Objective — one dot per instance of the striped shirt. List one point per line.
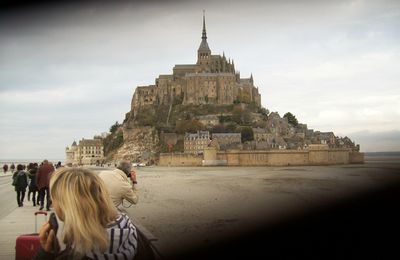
(123, 241)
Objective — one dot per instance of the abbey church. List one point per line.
(212, 80)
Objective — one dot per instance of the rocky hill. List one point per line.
(140, 136)
(157, 129)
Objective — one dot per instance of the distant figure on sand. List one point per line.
(20, 182)
(58, 165)
(118, 184)
(5, 168)
(42, 181)
(93, 228)
(32, 171)
(12, 167)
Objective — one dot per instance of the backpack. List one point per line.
(14, 182)
(17, 178)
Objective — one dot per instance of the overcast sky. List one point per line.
(69, 71)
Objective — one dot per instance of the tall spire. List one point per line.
(204, 45)
(204, 35)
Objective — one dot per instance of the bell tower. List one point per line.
(204, 52)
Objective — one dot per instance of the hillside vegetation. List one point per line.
(180, 119)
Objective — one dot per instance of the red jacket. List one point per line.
(43, 175)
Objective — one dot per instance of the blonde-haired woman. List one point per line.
(93, 228)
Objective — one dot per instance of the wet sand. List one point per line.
(187, 206)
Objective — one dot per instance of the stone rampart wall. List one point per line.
(265, 158)
(318, 157)
(356, 157)
(339, 156)
(283, 158)
(180, 159)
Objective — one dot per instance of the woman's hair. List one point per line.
(86, 209)
(20, 167)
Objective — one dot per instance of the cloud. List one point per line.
(334, 64)
(377, 141)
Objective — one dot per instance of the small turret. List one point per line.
(237, 76)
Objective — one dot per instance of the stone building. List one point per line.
(71, 154)
(345, 142)
(227, 140)
(327, 138)
(278, 125)
(196, 142)
(212, 80)
(261, 134)
(87, 152)
(265, 140)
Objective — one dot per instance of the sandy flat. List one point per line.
(186, 206)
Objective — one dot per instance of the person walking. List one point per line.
(58, 165)
(32, 171)
(20, 182)
(42, 182)
(118, 184)
(5, 168)
(12, 167)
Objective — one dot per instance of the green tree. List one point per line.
(291, 119)
(183, 126)
(114, 127)
(113, 142)
(241, 116)
(223, 119)
(246, 132)
(231, 127)
(220, 128)
(263, 111)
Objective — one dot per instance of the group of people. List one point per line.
(12, 167)
(91, 208)
(37, 178)
(5, 168)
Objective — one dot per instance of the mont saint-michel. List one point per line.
(207, 114)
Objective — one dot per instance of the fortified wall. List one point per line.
(314, 156)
